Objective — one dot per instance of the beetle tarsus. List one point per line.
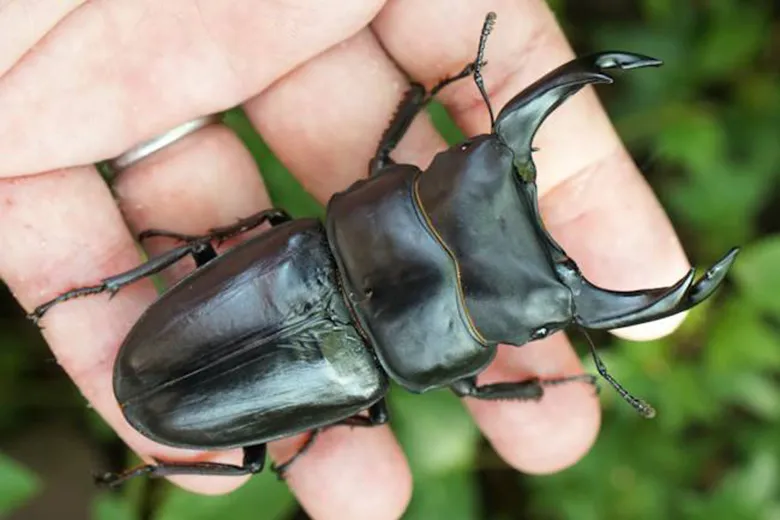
(114, 283)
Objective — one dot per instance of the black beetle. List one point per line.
(416, 275)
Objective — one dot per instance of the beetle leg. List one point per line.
(207, 253)
(254, 461)
(529, 390)
(377, 415)
(112, 284)
(281, 469)
(220, 234)
(414, 100)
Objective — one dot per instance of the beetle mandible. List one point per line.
(415, 276)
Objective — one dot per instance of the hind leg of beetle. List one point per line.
(112, 284)
(377, 415)
(254, 461)
(528, 390)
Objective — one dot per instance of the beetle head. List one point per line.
(516, 126)
(590, 306)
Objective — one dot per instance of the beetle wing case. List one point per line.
(253, 346)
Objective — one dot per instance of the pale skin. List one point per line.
(84, 81)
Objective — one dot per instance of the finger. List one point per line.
(594, 200)
(128, 70)
(23, 24)
(208, 179)
(76, 238)
(325, 120)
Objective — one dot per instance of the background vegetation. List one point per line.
(706, 130)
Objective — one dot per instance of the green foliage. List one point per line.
(16, 484)
(759, 276)
(262, 497)
(440, 440)
(111, 507)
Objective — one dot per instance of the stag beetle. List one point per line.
(414, 276)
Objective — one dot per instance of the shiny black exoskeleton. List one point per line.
(415, 275)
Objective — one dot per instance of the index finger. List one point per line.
(594, 200)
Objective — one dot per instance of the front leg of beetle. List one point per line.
(416, 99)
(528, 390)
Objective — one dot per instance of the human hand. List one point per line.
(108, 75)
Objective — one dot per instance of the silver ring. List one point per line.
(143, 150)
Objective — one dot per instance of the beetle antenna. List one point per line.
(644, 409)
(487, 28)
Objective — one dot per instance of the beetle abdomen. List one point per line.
(404, 285)
(253, 346)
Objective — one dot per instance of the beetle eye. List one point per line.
(540, 333)
(465, 145)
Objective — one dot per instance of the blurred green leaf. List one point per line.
(739, 340)
(695, 138)
(109, 506)
(748, 492)
(659, 11)
(757, 393)
(262, 497)
(444, 123)
(757, 271)
(440, 440)
(736, 33)
(436, 432)
(453, 496)
(717, 196)
(17, 484)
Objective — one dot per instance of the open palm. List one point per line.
(85, 81)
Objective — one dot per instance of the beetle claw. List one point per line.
(599, 308)
(623, 60)
(519, 120)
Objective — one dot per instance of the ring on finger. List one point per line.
(147, 148)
